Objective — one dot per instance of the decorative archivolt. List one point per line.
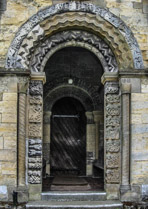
(55, 18)
(69, 91)
(87, 92)
(87, 40)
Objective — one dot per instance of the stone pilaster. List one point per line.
(90, 143)
(125, 98)
(35, 134)
(46, 141)
(98, 118)
(22, 134)
(112, 134)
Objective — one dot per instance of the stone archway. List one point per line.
(112, 29)
(30, 42)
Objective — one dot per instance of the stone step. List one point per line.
(75, 204)
(73, 196)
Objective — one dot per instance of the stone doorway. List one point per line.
(68, 138)
(73, 136)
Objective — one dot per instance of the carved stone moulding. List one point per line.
(111, 88)
(112, 121)
(66, 91)
(112, 133)
(112, 146)
(34, 176)
(112, 160)
(35, 113)
(112, 109)
(80, 89)
(35, 87)
(35, 99)
(113, 98)
(35, 130)
(113, 176)
(35, 147)
(101, 48)
(48, 12)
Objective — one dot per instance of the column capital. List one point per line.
(125, 88)
(39, 76)
(98, 116)
(47, 117)
(109, 77)
(23, 87)
(90, 117)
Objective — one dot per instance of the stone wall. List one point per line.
(132, 12)
(8, 134)
(139, 135)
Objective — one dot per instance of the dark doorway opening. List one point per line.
(68, 138)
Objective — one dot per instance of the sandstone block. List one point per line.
(136, 119)
(8, 107)
(9, 97)
(8, 128)
(35, 192)
(139, 107)
(135, 97)
(7, 155)
(139, 128)
(9, 118)
(8, 168)
(1, 142)
(112, 191)
(8, 180)
(144, 88)
(10, 142)
(145, 6)
(144, 117)
(137, 5)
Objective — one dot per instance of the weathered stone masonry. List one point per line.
(118, 47)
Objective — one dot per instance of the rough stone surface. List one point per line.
(8, 130)
(139, 140)
(33, 27)
(19, 11)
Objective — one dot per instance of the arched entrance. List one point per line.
(113, 43)
(73, 99)
(68, 138)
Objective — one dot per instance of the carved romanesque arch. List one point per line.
(112, 29)
(74, 38)
(46, 25)
(67, 91)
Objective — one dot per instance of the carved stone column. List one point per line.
(22, 134)
(125, 92)
(90, 143)
(46, 141)
(35, 134)
(98, 118)
(111, 135)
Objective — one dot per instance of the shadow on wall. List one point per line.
(3, 5)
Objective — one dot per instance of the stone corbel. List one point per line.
(109, 77)
(39, 76)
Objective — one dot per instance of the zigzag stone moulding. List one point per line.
(107, 57)
(36, 19)
(88, 22)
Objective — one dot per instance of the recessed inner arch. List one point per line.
(73, 77)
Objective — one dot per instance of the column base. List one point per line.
(130, 193)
